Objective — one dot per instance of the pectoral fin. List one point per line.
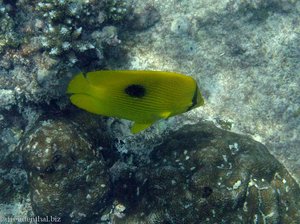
(137, 127)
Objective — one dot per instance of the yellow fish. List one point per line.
(140, 96)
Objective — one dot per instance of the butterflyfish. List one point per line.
(139, 96)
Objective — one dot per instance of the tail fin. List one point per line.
(79, 84)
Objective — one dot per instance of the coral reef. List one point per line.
(245, 56)
(202, 174)
(67, 177)
(143, 18)
(116, 9)
(199, 173)
(55, 160)
(43, 43)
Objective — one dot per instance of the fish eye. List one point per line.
(135, 90)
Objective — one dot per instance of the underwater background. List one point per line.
(234, 160)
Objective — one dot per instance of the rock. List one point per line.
(44, 44)
(180, 26)
(7, 98)
(202, 174)
(13, 179)
(67, 178)
(144, 19)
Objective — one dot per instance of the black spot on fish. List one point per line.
(135, 90)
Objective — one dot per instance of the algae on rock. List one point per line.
(202, 174)
(66, 177)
